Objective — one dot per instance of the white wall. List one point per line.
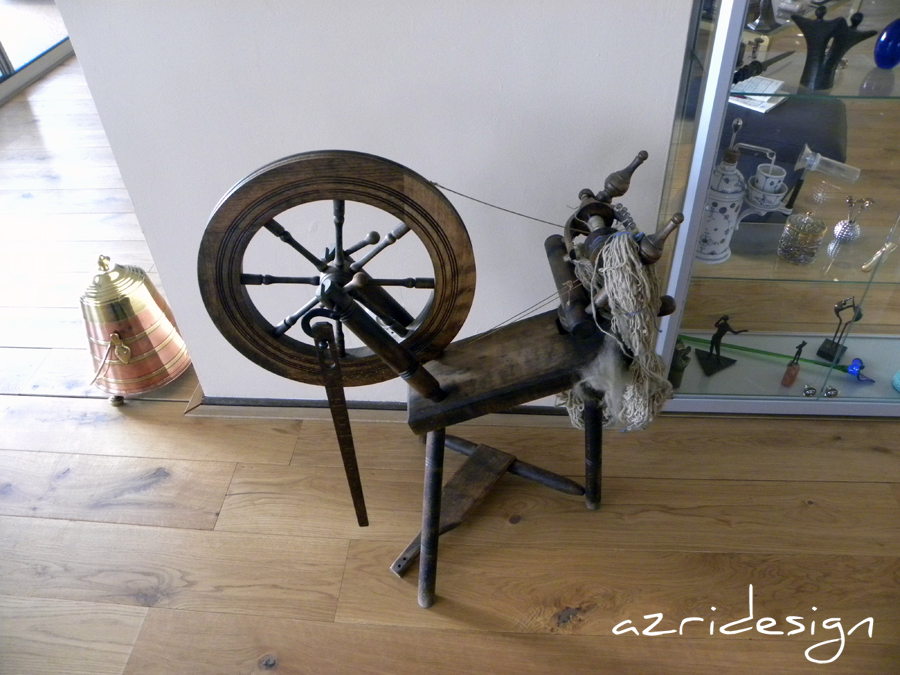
(520, 104)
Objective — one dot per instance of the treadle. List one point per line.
(463, 492)
(520, 468)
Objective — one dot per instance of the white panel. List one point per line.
(520, 104)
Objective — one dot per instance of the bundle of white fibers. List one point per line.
(634, 399)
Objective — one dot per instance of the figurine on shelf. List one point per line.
(793, 368)
(831, 349)
(710, 362)
(680, 360)
(827, 41)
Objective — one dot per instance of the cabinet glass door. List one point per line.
(793, 295)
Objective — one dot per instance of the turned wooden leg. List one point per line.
(593, 449)
(431, 516)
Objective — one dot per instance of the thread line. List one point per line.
(499, 208)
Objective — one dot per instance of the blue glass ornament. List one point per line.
(855, 369)
(897, 381)
(887, 47)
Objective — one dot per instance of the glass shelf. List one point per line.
(857, 78)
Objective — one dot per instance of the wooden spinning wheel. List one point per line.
(339, 278)
(537, 356)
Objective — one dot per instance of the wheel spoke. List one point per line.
(338, 210)
(371, 238)
(409, 282)
(286, 325)
(386, 241)
(286, 237)
(267, 279)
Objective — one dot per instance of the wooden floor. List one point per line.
(143, 541)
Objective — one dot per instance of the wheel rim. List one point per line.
(347, 177)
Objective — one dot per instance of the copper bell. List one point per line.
(133, 340)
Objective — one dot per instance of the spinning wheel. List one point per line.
(489, 373)
(340, 280)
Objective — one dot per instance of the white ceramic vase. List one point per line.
(727, 189)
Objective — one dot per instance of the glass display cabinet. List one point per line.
(786, 163)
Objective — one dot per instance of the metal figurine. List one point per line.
(831, 349)
(793, 367)
(827, 41)
(722, 329)
(711, 362)
(680, 360)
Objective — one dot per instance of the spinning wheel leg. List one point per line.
(331, 373)
(465, 490)
(593, 444)
(431, 516)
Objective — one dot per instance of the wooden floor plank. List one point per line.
(212, 644)
(164, 567)
(79, 257)
(589, 589)
(70, 85)
(170, 493)
(68, 372)
(388, 445)
(57, 289)
(21, 107)
(734, 449)
(57, 227)
(42, 327)
(94, 156)
(39, 177)
(57, 136)
(740, 516)
(61, 637)
(316, 502)
(759, 449)
(105, 200)
(18, 366)
(155, 429)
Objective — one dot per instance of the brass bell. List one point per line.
(131, 332)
